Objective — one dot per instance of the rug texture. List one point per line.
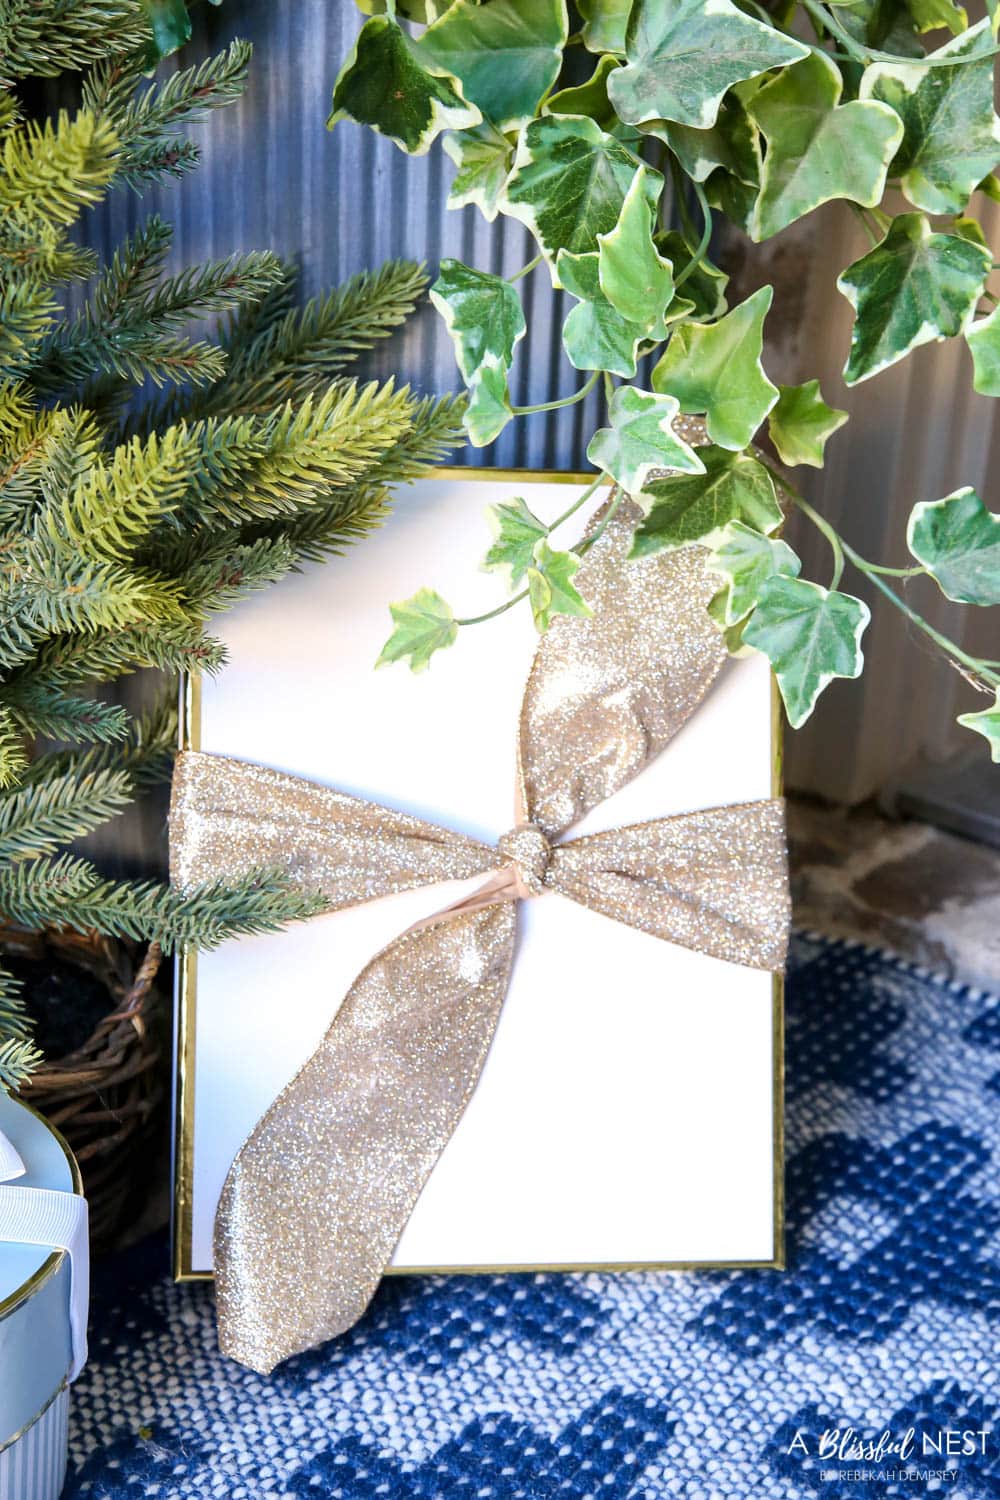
(885, 1329)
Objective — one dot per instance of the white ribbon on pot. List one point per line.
(45, 1216)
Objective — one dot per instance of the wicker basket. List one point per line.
(103, 1096)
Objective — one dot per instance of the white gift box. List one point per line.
(629, 1112)
(38, 1317)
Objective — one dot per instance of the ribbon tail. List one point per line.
(319, 1194)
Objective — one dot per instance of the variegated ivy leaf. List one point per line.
(801, 424)
(422, 625)
(730, 144)
(590, 98)
(983, 339)
(516, 533)
(386, 85)
(746, 559)
(684, 54)
(634, 277)
(715, 368)
(423, 11)
(484, 157)
(986, 723)
(810, 635)
(487, 411)
(931, 15)
(569, 183)
(483, 314)
(958, 541)
(507, 54)
(817, 148)
(703, 293)
(913, 287)
(697, 508)
(951, 133)
(551, 590)
(604, 23)
(595, 335)
(640, 440)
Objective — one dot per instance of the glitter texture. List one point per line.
(318, 1196)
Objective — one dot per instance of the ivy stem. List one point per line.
(526, 269)
(584, 547)
(862, 218)
(491, 614)
(949, 647)
(822, 16)
(706, 235)
(836, 545)
(581, 499)
(874, 572)
(585, 390)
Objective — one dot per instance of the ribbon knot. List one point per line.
(528, 850)
(320, 1192)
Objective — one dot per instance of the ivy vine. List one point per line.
(759, 113)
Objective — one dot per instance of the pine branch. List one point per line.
(68, 660)
(68, 892)
(13, 754)
(18, 1060)
(218, 576)
(144, 123)
(287, 357)
(146, 754)
(43, 40)
(26, 312)
(40, 710)
(35, 820)
(130, 327)
(50, 171)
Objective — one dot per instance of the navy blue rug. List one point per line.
(869, 1369)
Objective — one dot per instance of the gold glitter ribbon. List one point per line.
(319, 1194)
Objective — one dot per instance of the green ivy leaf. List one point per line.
(810, 635)
(817, 148)
(595, 335)
(483, 156)
(423, 11)
(171, 27)
(634, 277)
(715, 368)
(488, 409)
(640, 440)
(697, 508)
(746, 559)
(684, 54)
(731, 143)
(590, 98)
(983, 339)
(385, 84)
(423, 625)
(569, 183)
(951, 133)
(551, 590)
(483, 314)
(516, 533)
(801, 424)
(986, 723)
(506, 55)
(913, 287)
(703, 294)
(958, 541)
(604, 23)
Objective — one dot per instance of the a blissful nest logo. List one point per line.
(913, 1454)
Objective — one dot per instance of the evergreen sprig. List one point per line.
(127, 522)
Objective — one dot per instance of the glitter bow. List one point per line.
(319, 1194)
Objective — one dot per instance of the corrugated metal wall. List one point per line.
(274, 177)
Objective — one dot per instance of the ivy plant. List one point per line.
(571, 122)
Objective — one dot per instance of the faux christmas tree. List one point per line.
(127, 519)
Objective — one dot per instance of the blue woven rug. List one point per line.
(640, 1386)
